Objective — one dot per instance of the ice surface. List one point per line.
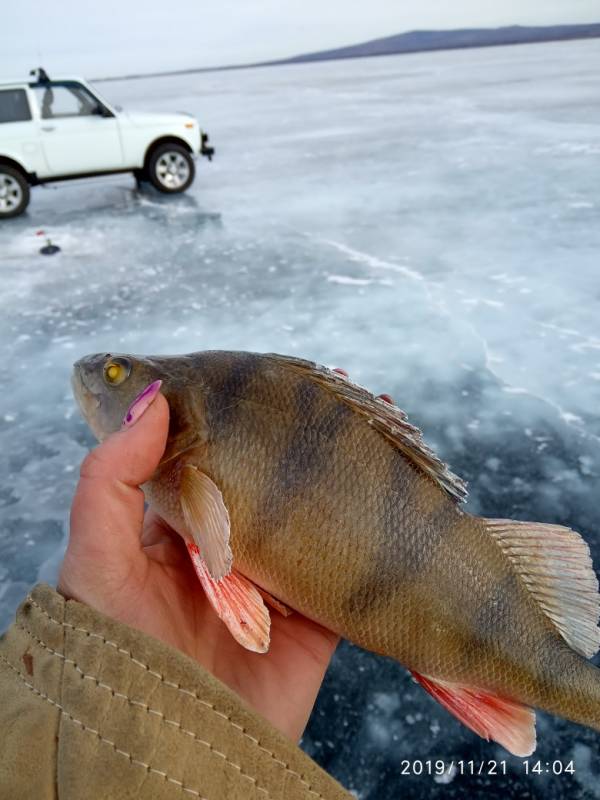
(427, 222)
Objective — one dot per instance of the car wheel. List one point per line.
(14, 192)
(171, 168)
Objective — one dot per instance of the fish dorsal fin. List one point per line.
(385, 418)
(555, 564)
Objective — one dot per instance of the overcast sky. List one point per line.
(112, 37)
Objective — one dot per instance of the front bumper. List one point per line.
(205, 148)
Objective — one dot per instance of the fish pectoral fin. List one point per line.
(238, 604)
(207, 518)
(555, 565)
(284, 610)
(510, 724)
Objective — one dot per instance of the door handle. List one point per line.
(48, 128)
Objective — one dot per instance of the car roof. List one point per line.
(4, 82)
(16, 82)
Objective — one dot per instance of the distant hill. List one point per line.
(418, 41)
(411, 42)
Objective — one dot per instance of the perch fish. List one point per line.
(294, 487)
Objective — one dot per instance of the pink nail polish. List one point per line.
(386, 398)
(340, 371)
(140, 404)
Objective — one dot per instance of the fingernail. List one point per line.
(340, 371)
(386, 398)
(140, 404)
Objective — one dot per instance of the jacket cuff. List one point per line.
(92, 708)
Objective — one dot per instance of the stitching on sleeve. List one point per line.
(148, 709)
(132, 760)
(184, 691)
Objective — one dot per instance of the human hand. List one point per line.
(136, 569)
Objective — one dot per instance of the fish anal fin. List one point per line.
(510, 724)
(284, 610)
(555, 565)
(385, 418)
(237, 603)
(207, 519)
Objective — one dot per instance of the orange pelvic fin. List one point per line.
(237, 603)
(284, 610)
(510, 724)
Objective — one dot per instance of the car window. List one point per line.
(65, 100)
(14, 106)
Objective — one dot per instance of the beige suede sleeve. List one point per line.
(90, 708)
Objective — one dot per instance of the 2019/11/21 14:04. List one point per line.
(439, 767)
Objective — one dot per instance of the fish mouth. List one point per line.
(81, 391)
(87, 400)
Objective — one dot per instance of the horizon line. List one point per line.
(311, 57)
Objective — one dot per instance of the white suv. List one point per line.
(54, 130)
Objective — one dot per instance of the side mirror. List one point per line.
(101, 111)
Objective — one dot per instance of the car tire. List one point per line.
(14, 192)
(171, 168)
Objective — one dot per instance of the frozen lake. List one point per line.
(428, 222)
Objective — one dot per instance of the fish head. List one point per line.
(106, 384)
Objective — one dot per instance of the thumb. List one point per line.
(107, 513)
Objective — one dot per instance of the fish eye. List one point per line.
(116, 371)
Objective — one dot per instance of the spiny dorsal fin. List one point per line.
(555, 565)
(386, 418)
